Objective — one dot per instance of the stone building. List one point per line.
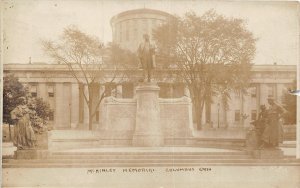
(54, 83)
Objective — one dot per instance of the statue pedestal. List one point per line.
(252, 140)
(42, 141)
(40, 151)
(273, 153)
(31, 154)
(148, 131)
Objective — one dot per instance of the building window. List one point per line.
(51, 116)
(253, 115)
(127, 35)
(154, 23)
(110, 89)
(160, 23)
(145, 26)
(127, 30)
(253, 92)
(237, 116)
(33, 90)
(271, 91)
(237, 94)
(135, 29)
(81, 103)
(121, 29)
(127, 90)
(50, 91)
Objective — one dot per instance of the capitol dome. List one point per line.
(128, 27)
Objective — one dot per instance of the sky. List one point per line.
(26, 23)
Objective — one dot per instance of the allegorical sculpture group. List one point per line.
(24, 136)
(268, 126)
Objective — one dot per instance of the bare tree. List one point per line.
(212, 54)
(84, 56)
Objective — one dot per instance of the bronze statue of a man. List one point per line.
(146, 55)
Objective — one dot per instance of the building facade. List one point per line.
(55, 84)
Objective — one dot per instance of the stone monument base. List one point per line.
(268, 153)
(148, 129)
(31, 154)
(147, 140)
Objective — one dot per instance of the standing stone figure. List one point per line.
(146, 56)
(260, 125)
(271, 135)
(24, 137)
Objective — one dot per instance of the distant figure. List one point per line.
(24, 137)
(272, 132)
(146, 56)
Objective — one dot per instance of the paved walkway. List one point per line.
(159, 177)
(8, 149)
(286, 151)
(220, 133)
(147, 149)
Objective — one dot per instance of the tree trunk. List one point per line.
(90, 104)
(198, 113)
(225, 116)
(198, 105)
(208, 111)
(9, 131)
(199, 118)
(90, 123)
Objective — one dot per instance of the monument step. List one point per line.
(219, 142)
(145, 161)
(150, 153)
(219, 146)
(152, 164)
(149, 156)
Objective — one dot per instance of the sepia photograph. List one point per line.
(150, 94)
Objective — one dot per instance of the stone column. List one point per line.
(42, 91)
(263, 94)
(102, 109)
(59, 107)
(275, 92)
(148, 130)
(247, 110)
(242, 121)
(257, 99)
(85, 108)
(279, 90)
(74, 105)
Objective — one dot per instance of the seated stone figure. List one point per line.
(271, 136)
(24, 137)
